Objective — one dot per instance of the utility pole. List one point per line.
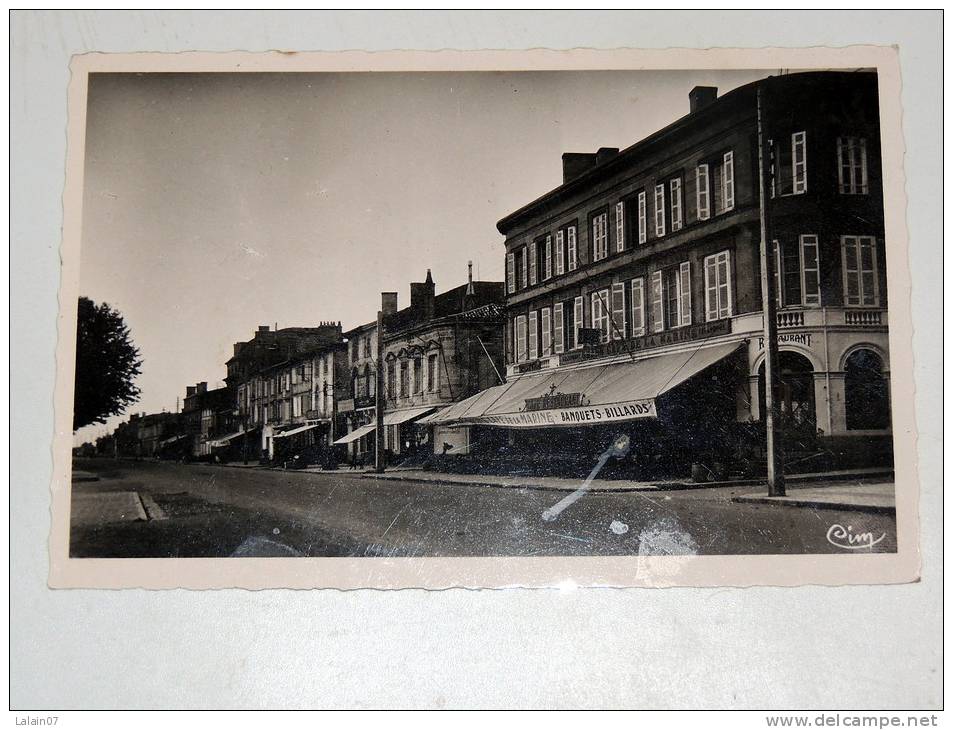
(769, 310)
(379, 396)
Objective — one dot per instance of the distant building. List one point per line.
(436, 351)
(207, 415)
(263, 380)
(634, 305)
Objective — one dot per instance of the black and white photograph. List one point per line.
(483, 314)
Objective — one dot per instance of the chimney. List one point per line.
(189, 390)
(201, 388)
(700, 97)
(388, 302)
(576, 163)
(605, 154)
(263, 328)
(422, 298)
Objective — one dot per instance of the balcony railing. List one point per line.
(863, 317)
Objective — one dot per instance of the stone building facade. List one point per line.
(644, 266)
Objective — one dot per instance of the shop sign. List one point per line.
(800, 338)
(554, 401)
(528, 367)
(345, 405)
(648, 342)
(570, 417)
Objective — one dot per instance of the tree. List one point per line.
(107, 363)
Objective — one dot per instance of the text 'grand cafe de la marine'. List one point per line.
(633, 291)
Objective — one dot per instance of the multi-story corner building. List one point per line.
(440, 349)
(633, 289)
(271, 375)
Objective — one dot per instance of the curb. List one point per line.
(817, 504)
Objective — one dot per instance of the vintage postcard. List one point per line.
(485, 319)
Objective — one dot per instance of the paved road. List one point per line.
(201, 511)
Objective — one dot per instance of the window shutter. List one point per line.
(728, 181)
(658, 316)
(521, 338)
(533, 253)
(660, 210)
(676, 203)
(620, 226)
(711, 288)
(799, 158)
(533, 336)
(863, 165)
(637, 296)
(577, 321)
(851, 271)
(724, 283)
(701, 192)
(571, 243)
(560, 254)
(868, 270)
(558, 328)
(524, 256)
(549, 257)
(685, 293)
(843, 165)
(643, 231)
(618, 327)
(546, 333)
(810, 270)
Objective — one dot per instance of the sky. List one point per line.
(214, 203)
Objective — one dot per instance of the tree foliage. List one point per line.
(107, 363)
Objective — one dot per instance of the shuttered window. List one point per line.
(852, 165)
(524, 255)
(618, 328)
(560, 254)
(658, 308)
(659, 210)
(860, 271)
(717, 286)
(600, 314)
(643, 230)
(577, 321)
(620, 226)
(521, 338)
(510, 273)
(728, 181)
(810, 270)
(702, 200)
(533, 336)
(533, 256)
(600, 237)
(558, 343)
(571, 244)
(675, 203)
(546, 332)
(685, 294)
(799, 162)
(637, 300)
(548, 258)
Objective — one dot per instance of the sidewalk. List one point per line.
(562, 484)
(878, 497)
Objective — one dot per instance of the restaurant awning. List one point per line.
(225, 440)
(356, 434)
(172, 440)
(408, 414)
(585, 396)
(295, 431)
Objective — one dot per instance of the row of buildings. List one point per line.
(632, 302)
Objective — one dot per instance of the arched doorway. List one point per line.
(795, 394)
(866, 395)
